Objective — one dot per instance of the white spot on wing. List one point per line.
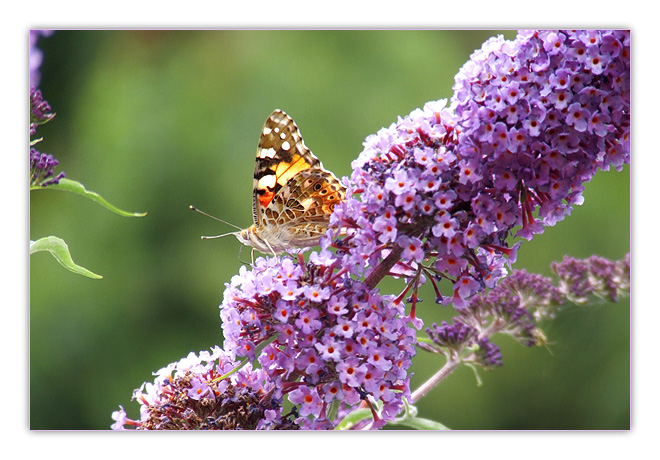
(266, 182)
(267, 153)
(285, 145)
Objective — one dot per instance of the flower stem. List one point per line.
(383, 268)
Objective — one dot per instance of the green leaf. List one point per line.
(419, 423)
(233, 371)
(59, 249)
(333, 408)
(257, 352)
(353, 418)
(69, 185)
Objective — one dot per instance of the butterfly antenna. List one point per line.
(215, 218)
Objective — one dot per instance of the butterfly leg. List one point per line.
(271, 248)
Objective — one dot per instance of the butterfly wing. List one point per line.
(293, 194)
(304, 206)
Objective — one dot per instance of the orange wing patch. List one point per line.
(285, 171)
(266, 197)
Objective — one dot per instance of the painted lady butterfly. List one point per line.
(293, 194)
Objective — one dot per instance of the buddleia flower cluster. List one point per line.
(519, 303)
(337, 344)
(42, 165)
(443, 189)
(325, 342)
(593, 278)
(209, 391)
(437, 196)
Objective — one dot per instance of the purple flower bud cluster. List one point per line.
(451, 336)
(520, 301)
(40, 111)
(487, 354)
(512, 308)
(530, 122)
(458, 341)
(42, 167)
(593, 277)
(196, 394)
(328, 341)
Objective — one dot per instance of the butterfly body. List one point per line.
(293, 194)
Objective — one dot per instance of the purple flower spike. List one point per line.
(331, 332)
(530, 122)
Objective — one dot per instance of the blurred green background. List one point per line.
(157, 120)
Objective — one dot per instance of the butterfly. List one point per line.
(293, 194)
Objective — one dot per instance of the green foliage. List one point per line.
(73, 186)
(418, 423)
(56, 246)
(59, 249)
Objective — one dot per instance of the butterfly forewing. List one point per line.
(293, 194)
